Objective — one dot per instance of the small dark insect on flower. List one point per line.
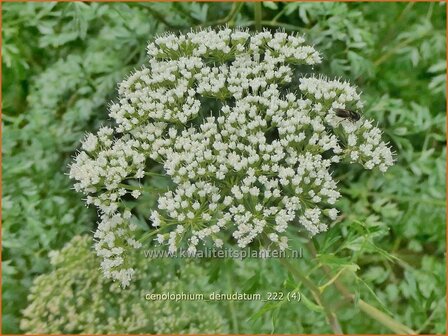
(347, 114)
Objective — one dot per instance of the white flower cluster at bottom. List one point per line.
(76, 298)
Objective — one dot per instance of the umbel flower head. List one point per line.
(248, 140)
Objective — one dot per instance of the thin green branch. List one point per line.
(257, 15)
(279, 15)
(393, 28)
(148, 235)
(159, 16)
(431, 317)
(435, 202)
(398, 47)
(285, 26)
(130, 187)
(331, 316)
(234, 319)
(384, 319)
(140, 188)
(149, 173)
(368, 309)
(236, 7)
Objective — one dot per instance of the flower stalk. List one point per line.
(257, 15)
(330, 315)
(365, 307)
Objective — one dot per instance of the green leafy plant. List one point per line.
(60, 65)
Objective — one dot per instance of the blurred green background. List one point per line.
(62, 61)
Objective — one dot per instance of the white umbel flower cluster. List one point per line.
(248, 140)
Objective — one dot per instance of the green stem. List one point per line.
(236, 7)
(279, 15)
(367, 308)
(392, 30)
(331, 317)
(404, 198)
(426, 323)
(129, 187)
(158, 16)
(140, 188)
(235, 326)
(155, 174)
(398, 47)
(257, 15)
(384, 319)
(148, 235)
(288, 27)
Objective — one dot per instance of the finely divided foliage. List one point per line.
(248, 170)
